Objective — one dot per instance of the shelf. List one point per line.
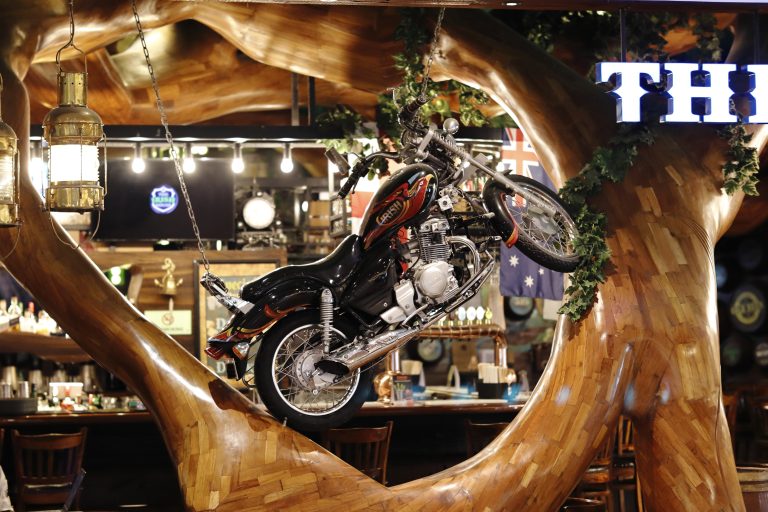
(54, 348)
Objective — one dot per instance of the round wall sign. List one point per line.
(163, 199)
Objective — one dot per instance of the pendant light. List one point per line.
(9, 173)
(73, 132)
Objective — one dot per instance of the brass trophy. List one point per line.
(168, 284)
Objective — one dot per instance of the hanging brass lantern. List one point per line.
(73, 132)
(9, 173)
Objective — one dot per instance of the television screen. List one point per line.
(150, 206)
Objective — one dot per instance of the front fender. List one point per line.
(495, 198)
(270, 307)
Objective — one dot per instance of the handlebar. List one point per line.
(360, 169)
(409, 111)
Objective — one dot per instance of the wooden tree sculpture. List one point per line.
(647, 349)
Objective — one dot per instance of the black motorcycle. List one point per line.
(312, 332)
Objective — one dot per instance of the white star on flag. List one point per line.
(541, 271)
(529, 281)
(513, 260)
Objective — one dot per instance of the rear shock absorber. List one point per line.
(326, 317)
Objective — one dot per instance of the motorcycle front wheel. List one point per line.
(546, 231)
(291, 387)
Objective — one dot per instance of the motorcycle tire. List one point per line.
(546, 239)
(275, 356)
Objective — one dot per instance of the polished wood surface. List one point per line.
(647, 349)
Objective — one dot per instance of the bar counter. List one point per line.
(128, 464)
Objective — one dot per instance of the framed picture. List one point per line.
(210, 316)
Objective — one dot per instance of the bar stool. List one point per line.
(367, 449)
(625, 465)
(480, 435)
(48, 468)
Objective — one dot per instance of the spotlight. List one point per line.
(188, 164)
(138, 165)
(286, 165)
(238, 165)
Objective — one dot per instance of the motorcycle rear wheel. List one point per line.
(283, 372)
(545, 238)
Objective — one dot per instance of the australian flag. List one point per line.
(521, 276)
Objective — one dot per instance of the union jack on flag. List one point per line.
(517, 155)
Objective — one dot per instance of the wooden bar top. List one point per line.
(420, 408)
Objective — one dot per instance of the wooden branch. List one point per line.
(648, 347)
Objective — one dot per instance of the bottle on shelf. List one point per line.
(15, 312)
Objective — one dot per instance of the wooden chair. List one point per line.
(367, 449)
(48, 468)
(597, 480)
(582, 505)
(625, 466)
(480, 435)
(731, 406)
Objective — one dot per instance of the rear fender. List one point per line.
(273, 305)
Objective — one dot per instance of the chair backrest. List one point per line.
(583, 505)
(367, 449)
(480, 435)
(626, 437)
(48, 459)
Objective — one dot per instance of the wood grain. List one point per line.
(647, 349)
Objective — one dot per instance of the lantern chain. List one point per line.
(169, 139)
(432, 51)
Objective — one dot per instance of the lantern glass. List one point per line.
(73, 132)
(74, 162)
(7, 179)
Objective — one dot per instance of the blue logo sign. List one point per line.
(163, 199)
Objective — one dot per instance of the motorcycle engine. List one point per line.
(433, 275)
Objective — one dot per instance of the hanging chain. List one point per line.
(169, 139)
(432, 50)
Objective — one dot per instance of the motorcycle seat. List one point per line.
(333, 270)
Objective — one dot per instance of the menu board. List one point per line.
(212, 317)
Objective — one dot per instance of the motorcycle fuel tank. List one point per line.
(405, 195)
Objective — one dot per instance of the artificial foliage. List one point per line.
(609, 163)
(742, 163)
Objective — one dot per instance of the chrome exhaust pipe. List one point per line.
(359, 354)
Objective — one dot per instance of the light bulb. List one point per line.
(286, 165)
(188, 165)
(138, 165)
(305, 206)
(238, 165)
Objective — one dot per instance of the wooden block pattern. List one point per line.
(648, 348)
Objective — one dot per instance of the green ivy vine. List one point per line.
(742, 165)
(608, 163)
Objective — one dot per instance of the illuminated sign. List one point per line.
(163, 199)
(693, 92)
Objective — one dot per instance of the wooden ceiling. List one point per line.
(221, 62)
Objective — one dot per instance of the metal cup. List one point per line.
(6, 391)
(24, 389)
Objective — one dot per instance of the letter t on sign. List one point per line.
(717, 93)
(628, 90)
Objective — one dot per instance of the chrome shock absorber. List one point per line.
(326, 317)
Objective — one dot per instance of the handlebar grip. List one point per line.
(410, 109)
(347, 187)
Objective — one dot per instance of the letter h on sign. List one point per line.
(713, 92)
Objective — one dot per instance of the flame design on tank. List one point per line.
(400, 205)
